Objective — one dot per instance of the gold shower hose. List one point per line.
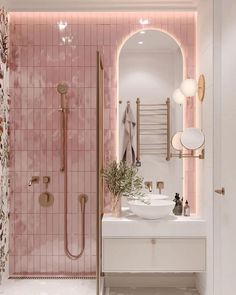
(62, 89)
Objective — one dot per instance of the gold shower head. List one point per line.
(62, 88)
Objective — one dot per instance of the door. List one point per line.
(225, 147)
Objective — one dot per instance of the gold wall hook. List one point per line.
(220, 191)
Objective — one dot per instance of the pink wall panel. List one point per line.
(42, 56)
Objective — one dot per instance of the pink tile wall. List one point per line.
(40, 59)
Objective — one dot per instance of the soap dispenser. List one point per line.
(186, 209)
(178, 209)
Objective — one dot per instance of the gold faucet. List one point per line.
(33, 179)
(148, 185)
(160, 186)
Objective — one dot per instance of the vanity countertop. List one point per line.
(130, 225)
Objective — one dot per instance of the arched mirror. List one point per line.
(150, 67)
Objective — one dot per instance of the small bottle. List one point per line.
(178, 205)
(186, 209)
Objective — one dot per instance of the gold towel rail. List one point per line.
(151, 124)
(155, 104)
(151, 133)
(150, 129)
(156, 149)
(145, 115)
(156, 143)
(153, 109)
(155, 153)
(160, 115)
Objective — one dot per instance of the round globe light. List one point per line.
(178, 96)
(176, 142)
(188, 87)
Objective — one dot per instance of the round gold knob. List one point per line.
(153, 241)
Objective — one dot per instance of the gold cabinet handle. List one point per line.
(153, 241)
(220, 191)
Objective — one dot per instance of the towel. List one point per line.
(128, 153)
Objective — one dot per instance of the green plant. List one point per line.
(123, 180)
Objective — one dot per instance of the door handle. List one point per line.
(220, 191)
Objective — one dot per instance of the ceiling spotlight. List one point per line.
(144, 21)
(142, 32)
(140, 42)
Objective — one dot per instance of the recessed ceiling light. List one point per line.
(144, 21)
(140, 42)
(142, 32)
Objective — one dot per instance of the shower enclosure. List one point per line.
(54, 147)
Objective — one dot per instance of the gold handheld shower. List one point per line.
(62, 88)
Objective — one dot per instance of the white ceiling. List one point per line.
(99, 5)
(153, 41)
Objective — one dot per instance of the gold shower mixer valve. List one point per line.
(46, 179)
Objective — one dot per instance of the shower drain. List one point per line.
(55, 277)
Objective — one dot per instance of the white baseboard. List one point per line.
(183, 280)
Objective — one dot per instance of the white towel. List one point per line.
(128, 153)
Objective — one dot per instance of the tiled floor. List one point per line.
(49, 287)
(151, 291)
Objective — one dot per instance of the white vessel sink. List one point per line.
(154, 210)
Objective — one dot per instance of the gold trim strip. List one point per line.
(138, 162)
(168, 130)
(100, 166)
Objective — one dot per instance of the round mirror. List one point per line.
(176, 142)
(192, 138)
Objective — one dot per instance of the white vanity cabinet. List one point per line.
(175, 244)
(154, 254)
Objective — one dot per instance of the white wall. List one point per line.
(205, 121)
(224, 145)
(152, 76)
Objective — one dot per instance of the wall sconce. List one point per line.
(189, 88)
(178, 96)
(191, 139)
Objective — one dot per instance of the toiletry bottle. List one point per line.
(186, 209)
(178, 209)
